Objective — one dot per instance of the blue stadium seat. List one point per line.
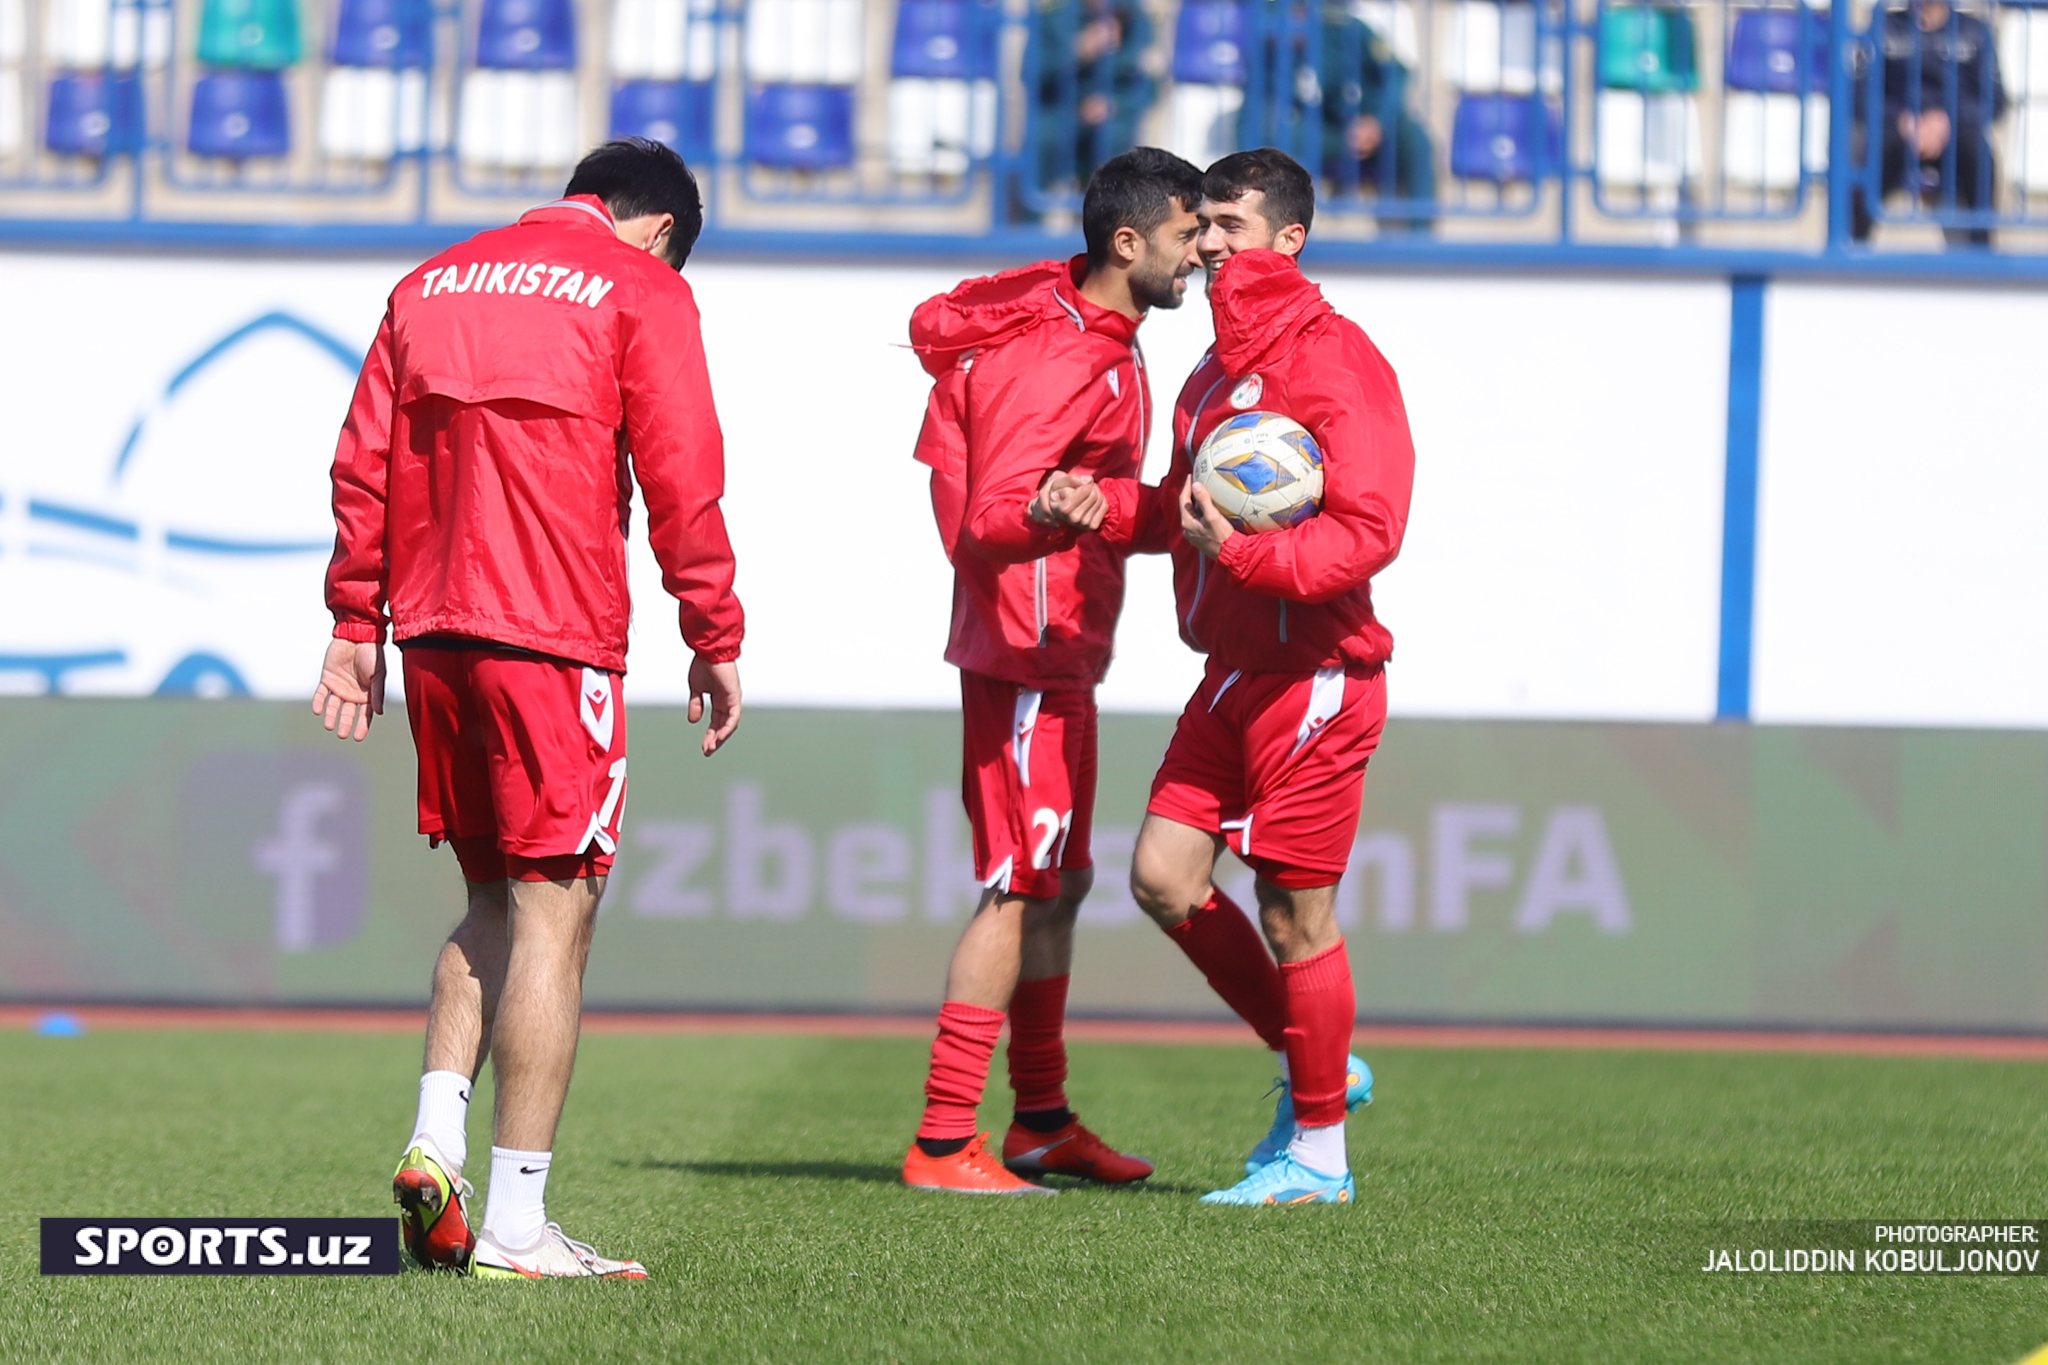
(800, 127)
(94, 113)
(946, 40)
(396, 35)
(240, 114)
(1779, 52)
(527, 35)
(677, 113)
(1504, 139)
(1773, 57)
(1209, 43)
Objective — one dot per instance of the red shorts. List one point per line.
(522, 761)
(1028, 777)
(1275, 763)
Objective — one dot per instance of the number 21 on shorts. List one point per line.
(1053, 826)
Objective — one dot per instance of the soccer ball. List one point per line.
(1264, 471)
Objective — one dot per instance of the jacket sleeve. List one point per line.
(1356, 415)
(679, 461)
(1023, 419)
(356, 576)
(1143, 518)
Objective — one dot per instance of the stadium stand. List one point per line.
(519, 93)
(664, 62)
(943, 67)
(373, 99)
(803, 67)
(2023, 49)
(1208, 78)
(892, 125)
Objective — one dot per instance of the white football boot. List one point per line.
(557, 1255)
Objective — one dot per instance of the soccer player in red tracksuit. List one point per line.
(1269, 757)
(518, 385)
(1039, 389)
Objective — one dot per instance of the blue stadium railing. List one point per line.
(1511, 133)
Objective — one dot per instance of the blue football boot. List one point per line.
(1286, 1181)
(1357, 1092)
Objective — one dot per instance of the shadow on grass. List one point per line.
(870, 1174)
(779, 1170)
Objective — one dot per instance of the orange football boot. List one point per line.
(971, 1170)
(1071, 1150)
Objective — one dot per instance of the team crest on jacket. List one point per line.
(1247, 392)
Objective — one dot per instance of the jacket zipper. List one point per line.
(1201, 560)
(1038, 597)
(1283, 620)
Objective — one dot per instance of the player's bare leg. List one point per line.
(1300, 1005)
(1045, 1137)
(1172, 872)
(533, 1049)
(1047, 949)
(1300, 922)
(428, 1185)
(540, 1009)
(468, 977)
(990, 954)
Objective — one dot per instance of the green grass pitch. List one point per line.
(1514, 1207)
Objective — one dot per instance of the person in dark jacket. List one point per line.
(1941, 94)
(1371, 142)
(1093, 85)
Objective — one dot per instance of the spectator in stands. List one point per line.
(1093, 85)
(1927, 49)
(1370, 140)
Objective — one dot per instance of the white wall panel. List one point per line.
(1563, 557)
(1902, 558)
(1564, 553)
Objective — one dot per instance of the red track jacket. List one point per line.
(481, 484)
(1300, 599)
(1029, 377)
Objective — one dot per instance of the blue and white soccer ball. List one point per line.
(1264, 471)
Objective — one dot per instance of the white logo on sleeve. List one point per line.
(1116, 386)
(598, 707)
(1247, 392)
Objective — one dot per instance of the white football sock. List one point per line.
(444, 1114)
(515, 1212)
(1319, 1149)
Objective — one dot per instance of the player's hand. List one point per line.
(1200, 523)
(1069, 500)
(351, 688)
(720, 684)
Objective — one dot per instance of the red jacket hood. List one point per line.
(1261, 302)
(996, 308)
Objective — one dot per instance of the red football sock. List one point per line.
(1227, 950)
(1038, 1044)
(1320, 1010)
(960, 1054)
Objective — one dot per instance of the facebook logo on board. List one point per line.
(288, 831)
